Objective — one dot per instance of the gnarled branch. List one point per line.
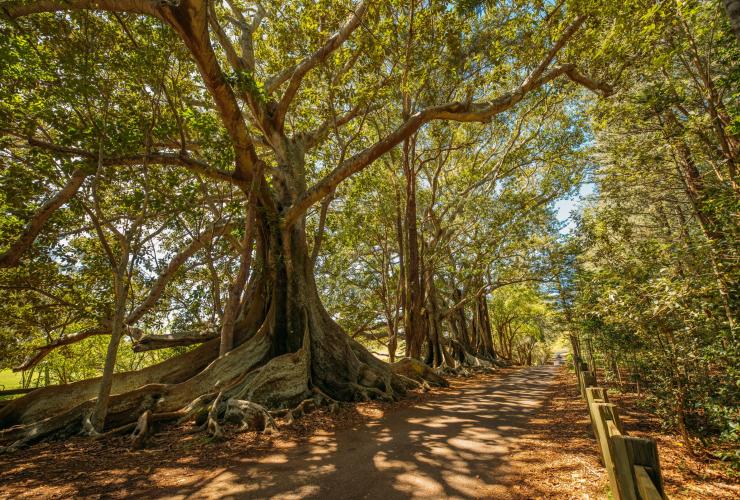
(153, 342)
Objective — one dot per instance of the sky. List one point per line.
(566, 207)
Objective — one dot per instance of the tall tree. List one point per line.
(275, 103)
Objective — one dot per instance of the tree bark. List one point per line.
(413, 321)
(120, 285)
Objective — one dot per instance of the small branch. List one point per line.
(177, 261)
(223, 40)
(153, 157)
(598, 87)
(42, 352)
(16, 9)
(314, 138)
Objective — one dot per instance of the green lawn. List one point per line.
(9, 379)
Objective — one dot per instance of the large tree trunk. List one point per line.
(436, 354)
(288, 344)
(483, 339)
(487, 349)
(401, 273)
(413, 320)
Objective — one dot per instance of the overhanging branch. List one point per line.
(20, 9)
(42, 352)
(453, 111)
(154, 157)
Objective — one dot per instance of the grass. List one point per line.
(9, 380)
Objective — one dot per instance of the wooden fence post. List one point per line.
(583, 371)
(604, 414)
(595, 395)
(587, 380)
(631, 463)
(637, 467)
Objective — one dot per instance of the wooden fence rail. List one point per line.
(631, 463)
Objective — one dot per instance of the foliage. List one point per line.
(657, 273)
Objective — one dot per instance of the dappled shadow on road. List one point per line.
(455, 444)
(462, 442)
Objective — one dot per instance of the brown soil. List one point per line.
(518, 433)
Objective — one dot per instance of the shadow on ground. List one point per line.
(465, 442)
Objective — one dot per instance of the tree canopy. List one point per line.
(213, 204)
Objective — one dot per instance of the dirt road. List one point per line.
(453, 445)
(516, 434)
(481, 438)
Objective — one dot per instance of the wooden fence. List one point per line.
(631, 462)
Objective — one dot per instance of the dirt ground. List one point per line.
(518, 433)
(562, 431)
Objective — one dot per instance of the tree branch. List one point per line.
(153, 157)
(300, 70)
(11, 257)
(15, 9)
(189, 18)
(320, 229)
(153, 342)
(42, 352)
(177, 261)
(314, 138)
(454, 111)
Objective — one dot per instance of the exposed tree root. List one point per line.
(212, 424)
(249, 416)
(88, 429)
(470, 364)
(118, 430)
(418, 371)
(56, 399)
(142, 430)
(247, 387)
